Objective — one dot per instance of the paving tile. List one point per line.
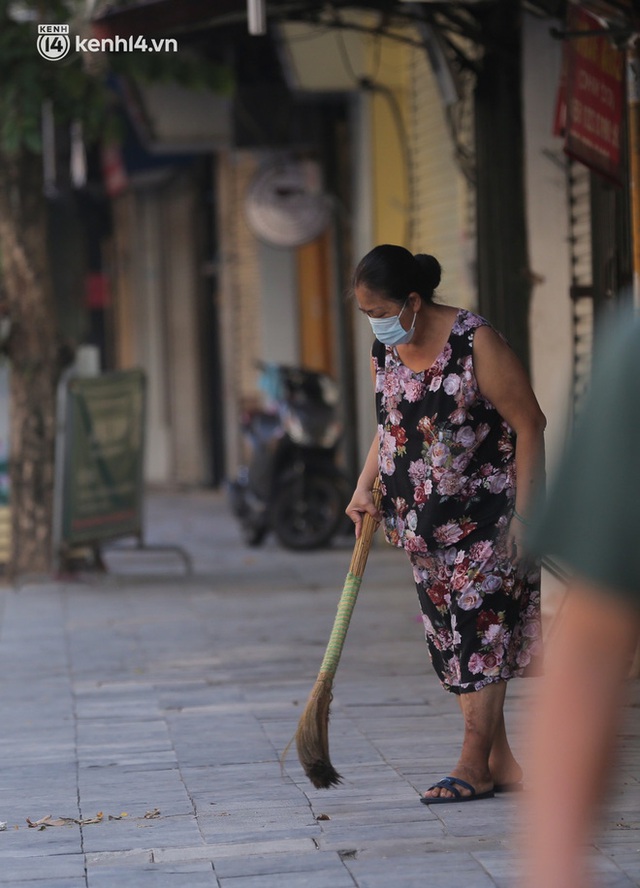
(47, 882)
(236, 849)
(193, 875)
(314, 879)
(275, 864)
(14, 870)
(26, 842)
(133, 833)
(139, 857)
(438, 870)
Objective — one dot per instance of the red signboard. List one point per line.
(114, 174)
(593, 87)
(96, 291)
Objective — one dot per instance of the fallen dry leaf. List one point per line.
(323, 817)
(49, 820)
(150, 815)
(42, 823)
(97, 819)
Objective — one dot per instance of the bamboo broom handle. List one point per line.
(350, 590)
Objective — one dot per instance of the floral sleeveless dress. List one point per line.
(447, 466)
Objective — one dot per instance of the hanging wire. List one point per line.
(344, 56)
(369, 84)
(407, 157)
(377, 58)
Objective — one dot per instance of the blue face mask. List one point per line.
(390, 331)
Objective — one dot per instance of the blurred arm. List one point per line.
(573, 733)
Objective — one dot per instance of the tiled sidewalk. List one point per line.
(158, 706)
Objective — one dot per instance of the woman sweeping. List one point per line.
(459, 450)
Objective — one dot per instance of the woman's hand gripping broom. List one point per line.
(312, 735)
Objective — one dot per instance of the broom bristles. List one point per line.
(312, 735)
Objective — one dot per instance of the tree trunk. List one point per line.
(33, 355)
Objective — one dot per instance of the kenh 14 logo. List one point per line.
(53, 41)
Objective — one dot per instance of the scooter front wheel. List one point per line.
(306, 512)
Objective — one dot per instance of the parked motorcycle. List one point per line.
(291, 483)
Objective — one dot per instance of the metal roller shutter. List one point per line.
(441, 199)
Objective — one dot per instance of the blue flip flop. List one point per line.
(450, 784)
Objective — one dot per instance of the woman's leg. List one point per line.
(484, 740)
(503, 765)
(456, 639)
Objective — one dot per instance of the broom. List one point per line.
(312, 735)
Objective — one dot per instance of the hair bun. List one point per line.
(430, 270)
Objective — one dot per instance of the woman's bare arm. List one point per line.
(504, 382)
(362, 499)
